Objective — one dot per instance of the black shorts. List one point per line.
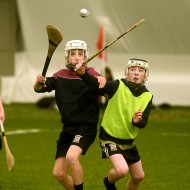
(131, 155)
(82, 136)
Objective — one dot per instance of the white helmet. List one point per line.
(76, 44)
(138, 62)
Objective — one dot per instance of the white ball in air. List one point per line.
(84, 13)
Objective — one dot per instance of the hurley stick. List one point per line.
(9, 156)
(55, 37)
(101, 50)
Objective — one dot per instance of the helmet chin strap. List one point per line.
(134, 85)
(70, 66)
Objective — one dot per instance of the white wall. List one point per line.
(163, 40)
(169, 79)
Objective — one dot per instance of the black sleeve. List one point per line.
(90, 80)
(110, 88)
(145, 117)
(42, 90)
(49, 85)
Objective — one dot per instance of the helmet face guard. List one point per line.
(138, 63)
(76, 44)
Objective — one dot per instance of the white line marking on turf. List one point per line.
(21, 131)
(176, 134)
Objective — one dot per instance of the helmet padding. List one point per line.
(138, 63)
(76, 44)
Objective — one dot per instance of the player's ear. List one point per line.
(145, 78)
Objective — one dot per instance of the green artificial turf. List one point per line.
(163, 146)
